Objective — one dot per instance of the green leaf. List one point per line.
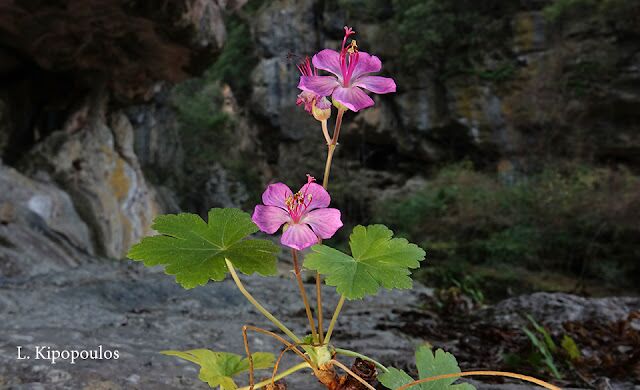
(195, 251)
(377, 260)
(219, 368)
(570, 346)
(543, 349)
(547, 337)
(429, 365)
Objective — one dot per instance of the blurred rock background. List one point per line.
(510, 152)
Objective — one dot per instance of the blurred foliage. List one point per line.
(237, 60)
(623, 14)
(446, 35)
(208, 133)
(572, 220)
(366, 10)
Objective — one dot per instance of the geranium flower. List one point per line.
(351, 69)
(305, 214)
(314, 104)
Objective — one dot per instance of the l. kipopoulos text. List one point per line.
(56, 355)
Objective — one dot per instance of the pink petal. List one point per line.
(366, 64)
(324, 222)
(319, 196)
(328, 60)
(299, 236)
(276, 194)
(320, 85)
(353, 98)
(376, 84)
(269, 218)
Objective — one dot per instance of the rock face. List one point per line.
(92, 158)
(129, 45)
(38, 221)
(548, 88)
(557, 309)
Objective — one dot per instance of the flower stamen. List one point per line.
(298, 203)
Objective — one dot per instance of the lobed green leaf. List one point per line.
(429, 365)
(377, 260)
(219, 368)
(195, 251)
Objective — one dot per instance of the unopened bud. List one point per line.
(321, 109)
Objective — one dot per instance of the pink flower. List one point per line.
(305, 214)
(351, 69)
(310, 99)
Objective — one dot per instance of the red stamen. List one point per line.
(296, 204)
(347, 65)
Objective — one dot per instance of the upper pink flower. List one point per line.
(351, 69)
(305, 214)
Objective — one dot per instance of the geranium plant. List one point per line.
(195, 252)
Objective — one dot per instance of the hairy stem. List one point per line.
(303, 293)
(258, 306)
(485, 373)
(334, 319)
(346, 352)
(353, 374)
(285, 373)
(327, 166)
(331, 148)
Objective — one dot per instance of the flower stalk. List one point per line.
(303, 294)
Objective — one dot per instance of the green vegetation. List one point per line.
(575, 221)
(366, 10)
(542, 341)
(208, 134)
(544, 353)
(236, 61)
(561, 11)
(448, 35)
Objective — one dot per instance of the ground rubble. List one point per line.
(139, 312)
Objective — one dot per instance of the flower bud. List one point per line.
(321, 109)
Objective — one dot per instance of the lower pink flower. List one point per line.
(305, 215)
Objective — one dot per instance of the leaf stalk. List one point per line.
(258, 306)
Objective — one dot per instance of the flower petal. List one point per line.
(366, 64)
(320, 85)
(276, 194)
(269, 218)
(319, 196)
(353, 98)
(324, 222)
(298, 236)
(328, 60)
(376, 84)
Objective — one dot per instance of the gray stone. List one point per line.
(40, 230)
(92, 158)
